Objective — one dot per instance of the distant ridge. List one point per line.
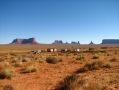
(110, 41)
(24, 41)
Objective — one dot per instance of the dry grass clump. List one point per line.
(75, 82)
(94, 85)
(17, 64)
(1, 59)
(95, 65)
(104, 47)
(95, 57)
(8, 87)
(81, 57)
(107, 65)
(53, 60)
(29, 69)
(91, 49)
(26, 59)
(6, 73)
(71, 83)
(113, 60)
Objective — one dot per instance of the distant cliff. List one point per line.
(110, 41)
(25, 41)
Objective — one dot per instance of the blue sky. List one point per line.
(67, 20)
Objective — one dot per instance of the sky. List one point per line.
(67, 20)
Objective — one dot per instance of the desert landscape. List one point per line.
(94, 67)
(59, 44)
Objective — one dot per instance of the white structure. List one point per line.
(50, 50)
(36, 51)
(77, 50)
(64, 50)
(55, 50)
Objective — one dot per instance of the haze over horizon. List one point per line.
(67, 20)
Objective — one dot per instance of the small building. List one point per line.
(64, 50)
(55, 50)
(77, 50)
(52, 50)
(36, 51)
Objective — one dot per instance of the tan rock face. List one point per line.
(25, 41)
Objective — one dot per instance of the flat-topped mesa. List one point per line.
(25, 41)
(110, 41)
(58, 42)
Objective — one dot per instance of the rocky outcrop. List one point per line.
(110, 41)
(58, 42)
(25, 41)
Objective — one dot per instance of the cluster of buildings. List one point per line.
(61, 42)
(55, 50)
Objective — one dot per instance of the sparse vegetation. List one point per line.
(95, 57)
(17, 64)
(30, 69)
(71, 83)
(6, 73)
(25, 59)
(107, 65)
(80, 57)
(8, 87)
(75, 82)
(95, 65)
(92, 70)
(91, 49)
(104, 47)
(113, 59)
(53, 60)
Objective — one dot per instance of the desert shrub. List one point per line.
(60, 54)
(70, 83)
(12, 54)
(91, 49)
(104, 47)
(6, 73)
(94, 85)
(26, 59)
(108, 54)
(92, 66)
(107, 65)
(115, 52)
(1, 59)
(95, 57)
(8, 87)
(16, 59)
(53, 60)
(53, 55)
(17, 64)
(30, 69)
(75, 82)
(75, 54)
(102, 51)
(80, 57)
(113, 60)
